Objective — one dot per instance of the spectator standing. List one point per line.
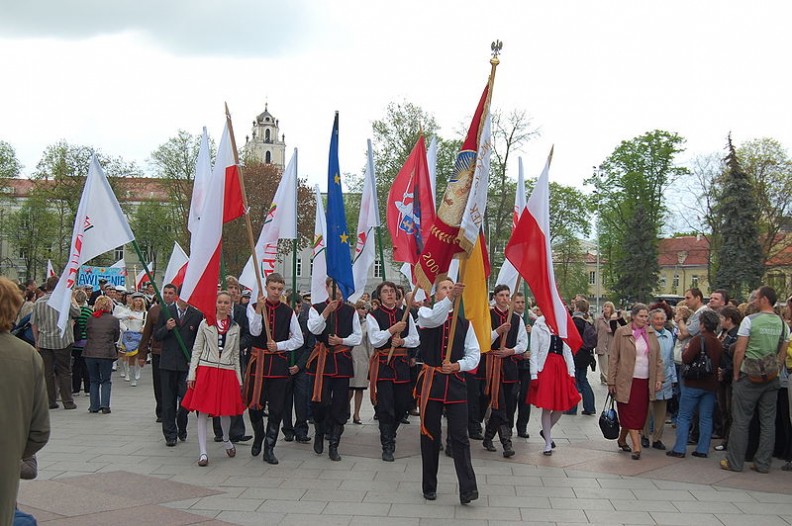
(103, 331)
(602, 326)
(659, 405)
(730, 322)
(79, 368)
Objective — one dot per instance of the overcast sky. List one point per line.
(125, 76)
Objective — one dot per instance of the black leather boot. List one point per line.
(489, 434)
(505, 433)
(385, 440)
(269, 444)
(335, 438)
(318, 444)
(258, 435)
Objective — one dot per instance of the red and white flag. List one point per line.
(99, 226)
(279, 223)
(203, 172)
(530, 252)
(223, 203)
(50, 270)
(368, 221)
(142, 278)
(177, 266)
(508, 274)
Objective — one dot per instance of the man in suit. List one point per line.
(98, 292)
(174, 364)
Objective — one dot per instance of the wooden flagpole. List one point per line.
(511, 311)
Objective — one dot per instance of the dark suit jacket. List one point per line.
(240, 316)
(171, 357)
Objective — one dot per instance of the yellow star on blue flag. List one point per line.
(339, 259)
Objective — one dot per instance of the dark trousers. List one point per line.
(174, 416)
(79, 372)
(60, 360)
(297, 398)
(507, 403)
(393, 402)
(457, 417)
(474, 419)
(523, 407)
(157, 383)
(273, 392)
(334, 407)
(584, 388)
(101, 371)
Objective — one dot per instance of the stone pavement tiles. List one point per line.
(115, 469)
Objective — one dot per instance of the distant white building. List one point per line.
(266, 144)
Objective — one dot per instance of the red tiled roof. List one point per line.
(683, 251)
(130, 188)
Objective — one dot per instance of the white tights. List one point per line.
(549, 419)
(203, 426)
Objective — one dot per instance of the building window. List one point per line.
(299, 267)
(663, 282)
(119, 253)
(593, 277)
(675, 283)
(377, 268)
(694, 282)
(268, 157)
(267, 135)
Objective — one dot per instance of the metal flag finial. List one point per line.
(495, 47)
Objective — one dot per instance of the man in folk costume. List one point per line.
(389, 371)
(336, 326)
(441, 386)
(509, 339)
(268, 370)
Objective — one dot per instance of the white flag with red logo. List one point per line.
(319, 257)
(508, 274)
(279, 223)
(368, 221)
(50, 269)
(223, 203)
(99, 226)
(177, 266)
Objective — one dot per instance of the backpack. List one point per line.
(24, 330)
(585, 355)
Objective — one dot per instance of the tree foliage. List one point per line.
(569, 266)
(740, 255)
(32, 232)
(638, 269)
(155, 230)
(10, 166)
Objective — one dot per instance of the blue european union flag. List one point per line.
(339, 259)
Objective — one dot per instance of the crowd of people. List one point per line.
(710, 369)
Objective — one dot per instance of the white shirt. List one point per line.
(522, 337)
(378, 337)
(317, 324)
(430, 318)
(540, 348)
(256, 323)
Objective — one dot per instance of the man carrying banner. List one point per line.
(509, 341)
(389, 370)
(336, 326)
(268, 370)
(441, 386)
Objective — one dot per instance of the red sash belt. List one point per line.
(257, 358)
(374, 369)
(319, 354)
(493, 385)
(427, 373)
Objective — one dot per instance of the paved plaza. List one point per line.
(115, 470)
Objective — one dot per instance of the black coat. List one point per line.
(171, 357)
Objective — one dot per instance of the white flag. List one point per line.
(119, 264)
(431, 162)
(279, 223)
(368, 221)
(50, 269)
(99, 226)
(508, 274)
(177, 266)
(203, 171)
(319, 272)
(473, 216)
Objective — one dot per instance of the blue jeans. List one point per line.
(694, 398)
(23, 519)
(99, 371)
(584, 388)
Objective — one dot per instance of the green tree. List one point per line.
(740, 256)
(638, 269)
(33, 232)
(10, 166)
(636, 176)
(569, 267)
(153, 224)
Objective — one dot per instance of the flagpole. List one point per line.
(161, 301)
(455, 317)
(381, 253)
(404, 319)
(511, 311)
(249, 226)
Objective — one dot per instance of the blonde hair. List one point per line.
(103, 303)
(142, 305)
(10, 302)
(609, 304)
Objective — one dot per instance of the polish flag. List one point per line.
(177, 266)
(50, 270)
(530, 252)
(223, 203)
(508, 274)
(142, 278)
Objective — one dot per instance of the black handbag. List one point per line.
(609, 419)
(700, 367)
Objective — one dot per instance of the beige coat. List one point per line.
(24, 418)
(621, 362)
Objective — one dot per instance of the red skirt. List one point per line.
(554, 389)
(632, 415)
(216, 393)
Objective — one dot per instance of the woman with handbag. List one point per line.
(133, 318)
(635, 374)
(102, 331)
(702, 359)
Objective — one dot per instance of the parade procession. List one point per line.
(391, 373)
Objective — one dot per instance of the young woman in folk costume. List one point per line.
(132, 318)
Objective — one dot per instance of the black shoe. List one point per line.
(449, 452)
(476, 435)
(465, 498)
(699, 455)
(333, 453)
(182, 436)
(644, 442)
(587, 413)
(54, 406)
(159, 419)
(523, 434)
(288, 437)
(302, 440)
(69, 405)
(404, 420)
(674, 454)
(218, 439)
(387, 455)
(105, 410)
(430, 495)
(170, 442)
(552, 442)
(243, 438)
(255, 449)
(488, 445)
(658, 445)
(93, 410)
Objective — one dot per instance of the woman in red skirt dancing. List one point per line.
(213, 383)
(552, 378)
(635, 374)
